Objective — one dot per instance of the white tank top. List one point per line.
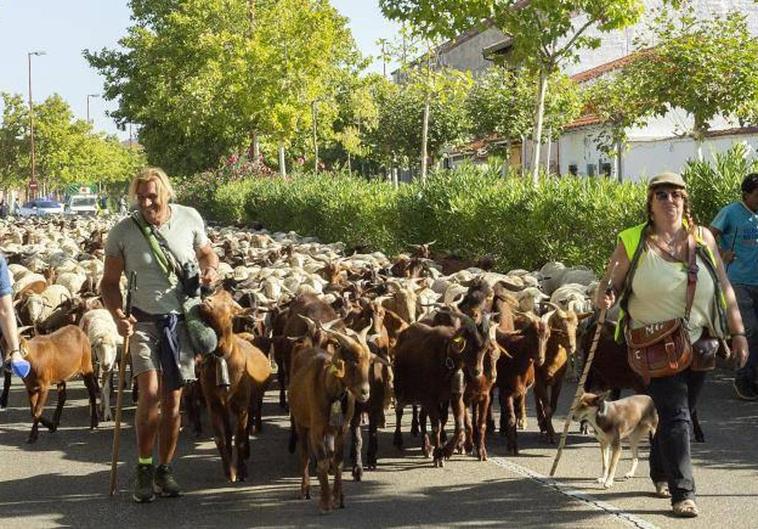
(658, 293)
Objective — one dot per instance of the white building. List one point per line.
(658, 146)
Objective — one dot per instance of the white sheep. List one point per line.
(103, 336)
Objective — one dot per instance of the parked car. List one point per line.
(40, 206)
(82, 204)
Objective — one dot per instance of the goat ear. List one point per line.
(458, 343)
(337, 368)
(584, 316)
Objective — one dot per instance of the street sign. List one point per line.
(33, 185)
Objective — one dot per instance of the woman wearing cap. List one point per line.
(657, 293)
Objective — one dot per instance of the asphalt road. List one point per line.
(62, 480)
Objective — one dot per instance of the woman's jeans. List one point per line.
(674, 397)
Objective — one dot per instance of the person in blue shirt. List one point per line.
(736, 230)
(14, 361)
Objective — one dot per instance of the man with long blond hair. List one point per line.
(161, 352)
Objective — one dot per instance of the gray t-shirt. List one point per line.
(184, 232)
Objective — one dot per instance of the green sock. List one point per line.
(145, 460)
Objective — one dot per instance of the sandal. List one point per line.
(685, 509)
(662, 489)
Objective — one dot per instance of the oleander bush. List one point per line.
(468, 211)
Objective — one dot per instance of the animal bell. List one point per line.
(222, 373)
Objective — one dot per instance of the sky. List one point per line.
(62, 29)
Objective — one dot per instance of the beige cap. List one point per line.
(668, 178)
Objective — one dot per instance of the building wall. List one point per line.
(644, 158)
(468, 55)
(619, 43)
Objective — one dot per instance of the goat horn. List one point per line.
(328, 325)
(364, 332)
(551, 304)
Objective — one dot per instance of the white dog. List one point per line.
(613, 421)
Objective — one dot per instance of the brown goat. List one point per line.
(249, 372)
(56, 358)
(515, 375)
(549, 376)
(431, 366)
(381, 379)
(292, 325)
(322, 393)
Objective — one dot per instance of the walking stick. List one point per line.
(583, 378)
(120, 394)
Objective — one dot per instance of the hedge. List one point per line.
(469, 212)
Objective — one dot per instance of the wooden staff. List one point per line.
(583, 378)
(120, 394)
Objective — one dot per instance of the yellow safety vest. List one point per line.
(631, 238)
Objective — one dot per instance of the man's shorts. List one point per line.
(144, 349)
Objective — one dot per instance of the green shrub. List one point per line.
(470, 212)
(711, 186)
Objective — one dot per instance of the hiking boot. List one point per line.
(143, 484)
(744, 388)
(165, 484)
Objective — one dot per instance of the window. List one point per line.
(573, 169)
(605, 169)
(591, 169)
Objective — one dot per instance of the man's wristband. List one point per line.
(739, 334)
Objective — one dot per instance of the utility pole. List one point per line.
(315, 137)
(88, 96)
(33, 181)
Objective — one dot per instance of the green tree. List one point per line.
(203, 78)
(501, 104)
(544, 33)
(401, 114)
(619, 104)
(14, 141)
(707, 67)
(67, 151)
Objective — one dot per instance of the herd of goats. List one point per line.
(352, 336)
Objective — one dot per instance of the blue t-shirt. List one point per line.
(5, 277)
(739, 231)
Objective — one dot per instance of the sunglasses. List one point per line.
(663, 195)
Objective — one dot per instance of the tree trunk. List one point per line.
(538, 118)
(349, 166)
(424, 140)
(315, 138)
(698, 133)
(256, 147)
(619, 161)
(506, 159)
(282, 162)
(549, 151)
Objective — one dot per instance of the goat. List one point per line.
(431, 366)
(249, 372)
(549, 376)
(56, 358)
(322, 393)
(526, 347)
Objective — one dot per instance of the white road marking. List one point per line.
(566, 490)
